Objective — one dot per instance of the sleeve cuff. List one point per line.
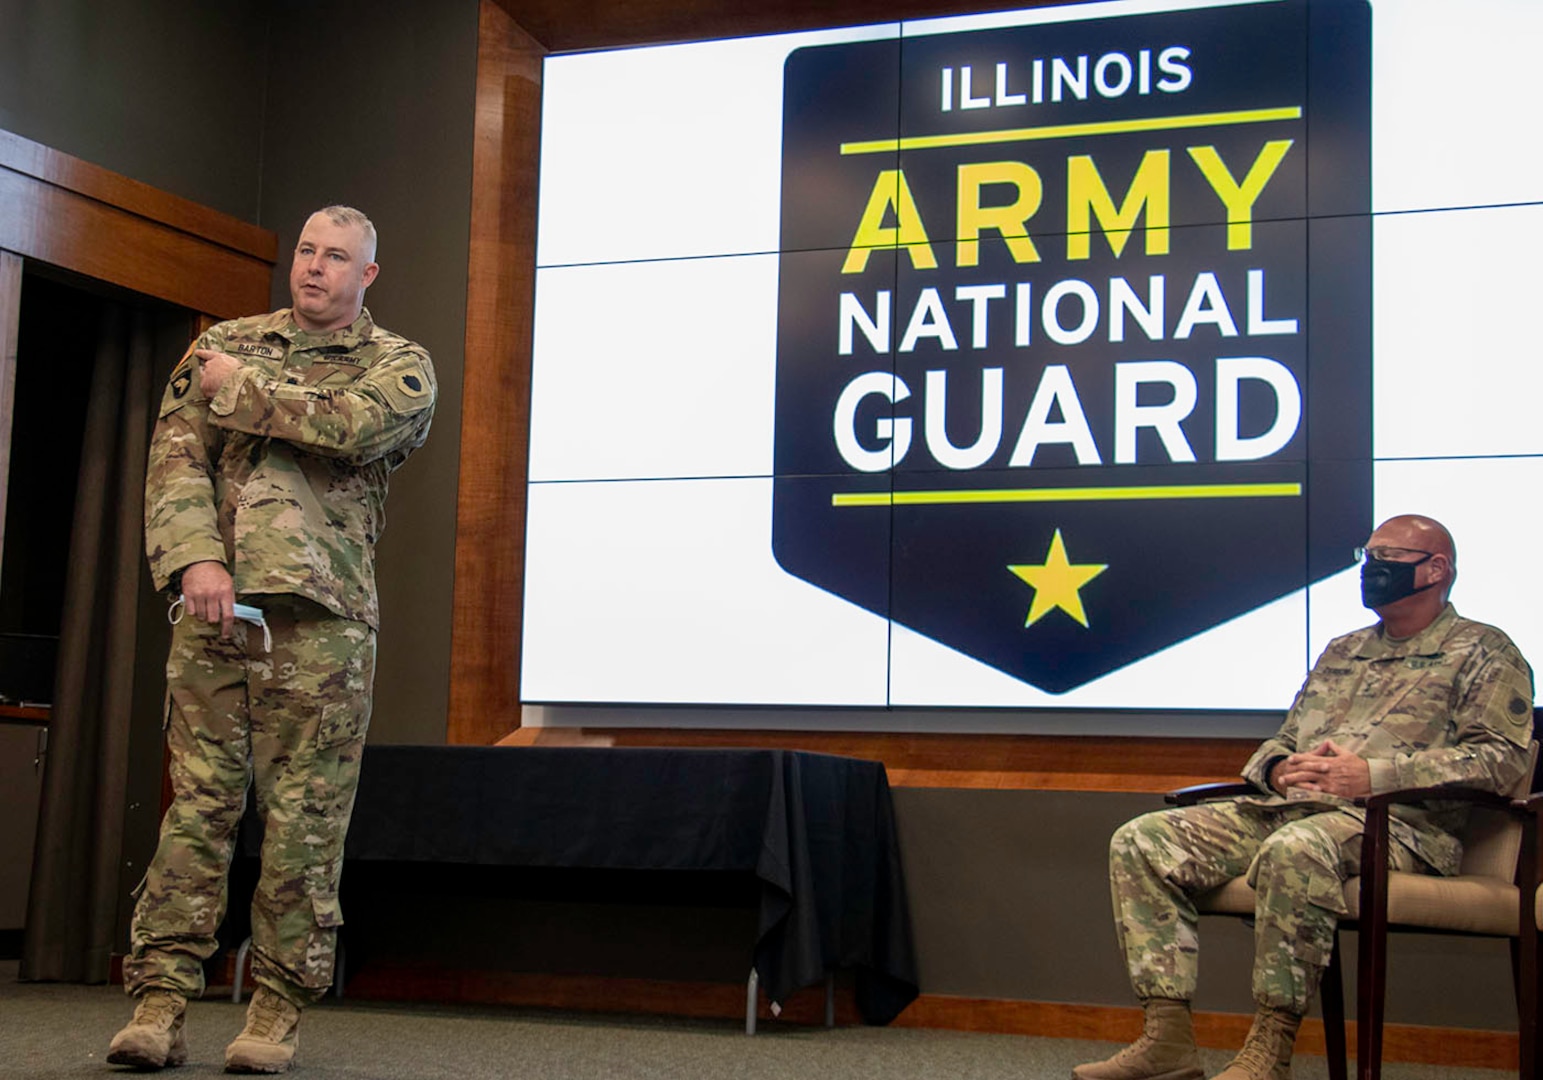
(1263, 780)
(224, 401)
(167, 571)
(1384, 774)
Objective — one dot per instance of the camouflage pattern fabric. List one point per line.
(294, 721)
(1453, 704)
(1297, 858)
(282, 475)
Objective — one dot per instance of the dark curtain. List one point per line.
(73, 904)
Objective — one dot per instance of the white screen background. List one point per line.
(649, 574)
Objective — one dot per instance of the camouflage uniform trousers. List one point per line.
(1297, 858)
(292, 723)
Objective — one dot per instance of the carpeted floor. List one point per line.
(57, 1031)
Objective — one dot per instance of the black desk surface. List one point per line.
(817, 831)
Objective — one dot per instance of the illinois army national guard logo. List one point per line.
(1074, 327)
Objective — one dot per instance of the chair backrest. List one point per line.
(1492, 840)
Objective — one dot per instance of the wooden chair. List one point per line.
(1482, 899)
(1530, 918)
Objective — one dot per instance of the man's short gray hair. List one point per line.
(347, 215)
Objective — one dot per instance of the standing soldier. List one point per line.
(1423, 698)
(267, 483)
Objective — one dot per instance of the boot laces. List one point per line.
(270, 1019)
(1259, 1053)
(1137, 1050)
(158, 1010)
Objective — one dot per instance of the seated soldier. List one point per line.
(1424, 697)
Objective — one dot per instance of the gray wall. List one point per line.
(371, 103)
(169, 92)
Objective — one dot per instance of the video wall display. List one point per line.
(1056, 358)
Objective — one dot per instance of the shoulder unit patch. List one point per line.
(409, 390)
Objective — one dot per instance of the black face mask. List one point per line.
(1386, 582)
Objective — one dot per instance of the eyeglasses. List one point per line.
(1391, 554)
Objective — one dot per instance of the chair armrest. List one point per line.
(1197, 793)
(1532, 804)
(1376, 839)
(1476, 796)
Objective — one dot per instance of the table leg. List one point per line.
(235, 990)
(338, 972)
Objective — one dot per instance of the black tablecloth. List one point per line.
(817, 832)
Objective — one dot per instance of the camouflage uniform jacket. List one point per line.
(282, 474)
(1450, 705)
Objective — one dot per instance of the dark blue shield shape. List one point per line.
(1074, 327)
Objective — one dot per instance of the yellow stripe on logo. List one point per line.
(1049, 495)
(1067, 131)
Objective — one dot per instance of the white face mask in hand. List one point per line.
(244, 612)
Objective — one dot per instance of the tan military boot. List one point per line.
(153, 1039)
(1165, 1050)
(1266, 1053)
(267, 1043)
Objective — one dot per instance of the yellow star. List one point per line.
(1056, 583)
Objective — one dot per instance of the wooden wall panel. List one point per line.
(69, 213)
(10, 328)
(72, 174)
(64, 229)
(596, 24)
(490, 510)
(1005, 762)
